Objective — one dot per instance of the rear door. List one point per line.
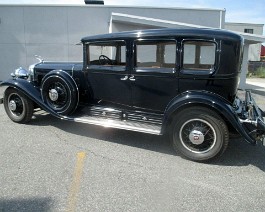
(154, 78)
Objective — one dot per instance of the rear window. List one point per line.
(199, 55)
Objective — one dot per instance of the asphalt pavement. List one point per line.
(55, 165)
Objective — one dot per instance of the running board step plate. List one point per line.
(119, 124)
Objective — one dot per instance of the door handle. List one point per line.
(132, 78)
(124, 78)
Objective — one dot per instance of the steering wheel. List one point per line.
(104, 60)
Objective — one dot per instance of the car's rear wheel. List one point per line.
(59, 94)
(18, 107)
(199, 134)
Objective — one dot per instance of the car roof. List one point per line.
(166, 32)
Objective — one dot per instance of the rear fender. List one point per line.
(209, 100)
(31, 91)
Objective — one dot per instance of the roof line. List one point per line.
(120, 17)
(252, 38)
(241, 23)
(125, 18)
(114, 6)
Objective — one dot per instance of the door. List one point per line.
(107, 72)
(199, 64)
(154, 77)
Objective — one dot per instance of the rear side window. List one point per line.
(155, 55)
(199, 55)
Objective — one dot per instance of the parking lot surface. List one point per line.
(55, 165)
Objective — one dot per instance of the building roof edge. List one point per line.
(112, 6)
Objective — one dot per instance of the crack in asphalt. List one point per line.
(59, 136)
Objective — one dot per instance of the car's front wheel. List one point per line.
(199, 134)
(18, 107)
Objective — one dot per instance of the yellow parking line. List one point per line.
(75, 185)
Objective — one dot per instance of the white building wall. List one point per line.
(119, 27)
(53, 31)
(254, 49)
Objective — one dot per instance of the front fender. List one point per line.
(209, 100)
(31, 91)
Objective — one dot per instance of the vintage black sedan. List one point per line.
(182, 82)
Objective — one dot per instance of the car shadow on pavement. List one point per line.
(238, 152)
(26, 205)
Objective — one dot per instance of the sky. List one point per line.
(241, 11)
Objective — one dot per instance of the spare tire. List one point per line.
(59, 92)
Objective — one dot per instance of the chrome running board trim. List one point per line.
(119, 124)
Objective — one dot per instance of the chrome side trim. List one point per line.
(125, 125)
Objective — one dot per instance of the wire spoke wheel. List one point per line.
(199, 134)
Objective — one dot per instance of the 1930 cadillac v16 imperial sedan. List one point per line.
(177, 81)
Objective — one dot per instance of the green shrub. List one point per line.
(260, 72)
(249, 74)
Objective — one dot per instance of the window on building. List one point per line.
(250, 31)
(156, 54)
(198, 55)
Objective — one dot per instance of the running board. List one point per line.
(119, 124)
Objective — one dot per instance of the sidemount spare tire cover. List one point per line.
(60, 92)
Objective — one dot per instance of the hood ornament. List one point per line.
(39, 58)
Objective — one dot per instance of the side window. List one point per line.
(107, 54)
(155, 55)
(198, 55)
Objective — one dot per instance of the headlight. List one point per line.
(21, 73)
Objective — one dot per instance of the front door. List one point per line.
(107, 72)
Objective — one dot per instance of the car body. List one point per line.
(178, 81)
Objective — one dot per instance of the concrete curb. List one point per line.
(259, 92)
(256, 85)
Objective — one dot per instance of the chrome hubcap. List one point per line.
(196, 137)
(15, 105)
(53, 94)
(12, 105)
